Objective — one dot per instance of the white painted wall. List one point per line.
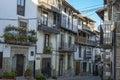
(76, 54)
(8, 10)
(6, 50)
(40, 42)
(31, 58)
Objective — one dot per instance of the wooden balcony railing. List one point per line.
(80, 40)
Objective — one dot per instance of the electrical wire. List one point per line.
(89, 10)
(18, 19)
(92, 6)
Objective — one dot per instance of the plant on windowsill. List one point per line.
(48, 48)
(40, 77)
(28, 73)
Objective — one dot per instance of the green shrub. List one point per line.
(48, 48)
(40, 76)
(28, 72)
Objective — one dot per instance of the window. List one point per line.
(65, 9)
(1, 59)
(79, 51)
(69, 41)
(69, 61)
(62, 40)
(32, 53)
(45, 18)
(23, 24)
(46, 40)
(68, 22)
(21, 7)
(54, 18)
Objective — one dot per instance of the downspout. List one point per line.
(114, 46)
(114, 54)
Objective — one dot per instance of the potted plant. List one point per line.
(5, 75)
(9, 75)
(12, 75)
(48, 48)
(54, 77)
(9, 37)
(32, 32)
(40, 77)
(28, 73)
(32, 39)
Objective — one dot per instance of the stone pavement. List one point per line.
(80, 78)
(67, 78)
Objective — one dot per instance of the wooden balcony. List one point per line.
(47, 5)
(80, 39)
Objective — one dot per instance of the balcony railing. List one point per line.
(80, 39)
(70, 27)
(91, 42)
(86, 28)
(106, 35)
(19, 35)
(50, 29)
(66, 47)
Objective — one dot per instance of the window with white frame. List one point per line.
(45, 18)
(21, 7)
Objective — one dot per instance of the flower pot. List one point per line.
(27, 77)
(40, 79)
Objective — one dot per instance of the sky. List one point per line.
(83, 5)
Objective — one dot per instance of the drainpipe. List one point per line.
(114, 54)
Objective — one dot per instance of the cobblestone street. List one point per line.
(70, 78)
(81, 78)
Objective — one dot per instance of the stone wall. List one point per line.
(69, 72)
(6, 64)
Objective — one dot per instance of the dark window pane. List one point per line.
(1, 59)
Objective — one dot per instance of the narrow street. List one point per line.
(70, 78)
(81, 78)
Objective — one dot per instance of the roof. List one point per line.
(89, 19)
(79, 16)
(100, 13)
(68, 4)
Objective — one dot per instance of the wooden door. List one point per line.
(77, 68)
(19, 64)
(46, 66)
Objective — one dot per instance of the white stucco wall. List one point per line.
(40, 42)
(6, 50)
(31, 58)
(76, 54)
(8, 10)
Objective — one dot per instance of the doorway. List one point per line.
(46, 66)
(61, 65)
(19, 64)
(84, 66)
(77, 68)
